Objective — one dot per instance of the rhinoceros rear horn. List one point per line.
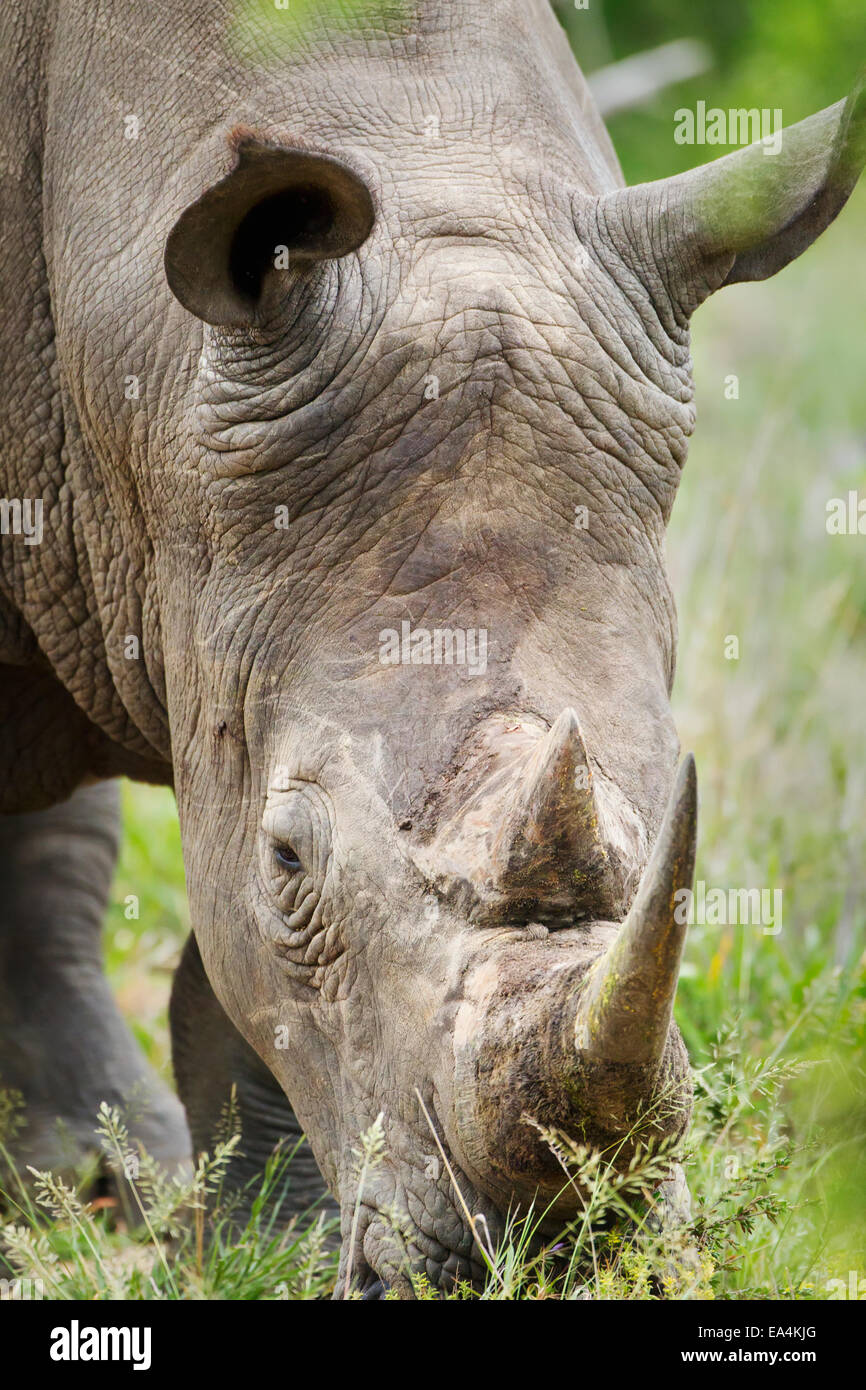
(277, 210)
(745, 216)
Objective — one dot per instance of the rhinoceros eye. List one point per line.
(287, 859)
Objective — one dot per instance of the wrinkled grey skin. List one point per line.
(553, 308)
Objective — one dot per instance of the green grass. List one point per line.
(776, 1025)
(143, 951)
(778, 733)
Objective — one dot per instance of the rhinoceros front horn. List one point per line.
(626, 1001)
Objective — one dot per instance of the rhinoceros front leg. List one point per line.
(63, 1043)
(210, 1058)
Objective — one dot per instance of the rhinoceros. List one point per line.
(346, 391)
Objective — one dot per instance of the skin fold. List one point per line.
(464, 403)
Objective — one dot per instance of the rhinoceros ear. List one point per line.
(276, 207)
(747, 215)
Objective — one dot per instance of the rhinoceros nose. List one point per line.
(581, 1035)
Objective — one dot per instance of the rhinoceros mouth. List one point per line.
(417, 1220)
(396, 1273)
(373, 1289)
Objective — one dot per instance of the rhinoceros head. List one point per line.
(420, 642)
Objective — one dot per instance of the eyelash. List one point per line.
(287, 858)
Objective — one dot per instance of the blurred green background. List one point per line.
(775, 1024)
